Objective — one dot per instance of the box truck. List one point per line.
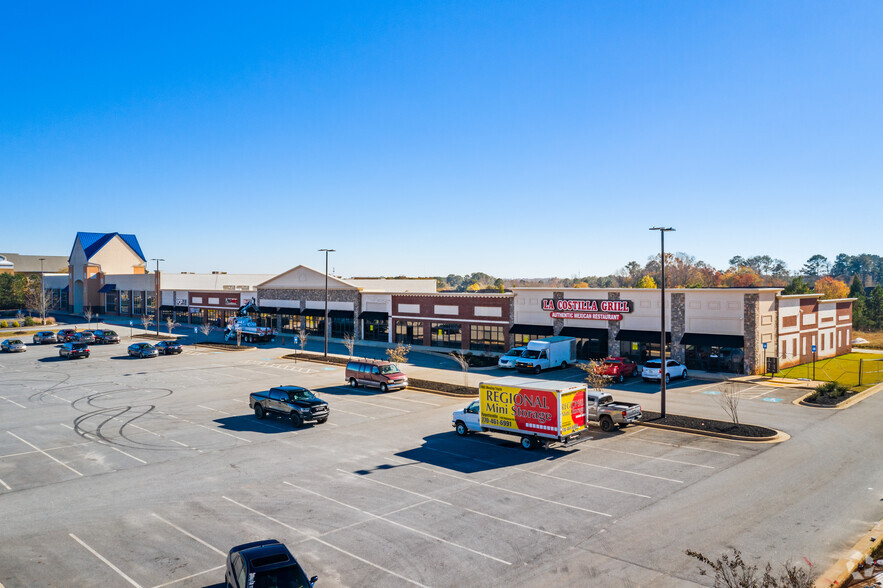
(543, 354)
(538, 411)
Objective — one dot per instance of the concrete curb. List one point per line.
(845, 404)
(779, 437)
(842, 571)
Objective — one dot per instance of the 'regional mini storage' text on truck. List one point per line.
(544, 354)
(538, 411)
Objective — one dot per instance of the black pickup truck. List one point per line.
(297, 404)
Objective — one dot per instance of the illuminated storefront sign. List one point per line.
(594, 310)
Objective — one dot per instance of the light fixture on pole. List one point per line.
(42, 294)
(327, 251)
(156, 300)
(663, 369)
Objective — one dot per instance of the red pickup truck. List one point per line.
(618, 368)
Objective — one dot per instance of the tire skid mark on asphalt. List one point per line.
(102, 442)
(396, 524)
(108, 414)
(318, 539)
(446, 503)
(489, 484)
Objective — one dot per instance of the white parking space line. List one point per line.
(690, 447)
(394, 523)
(449, 504)
(105, 561)
(12, 401)
(327, 544)
(191, 576)
(373, 404)
(581, 483)
(102, 442)
(697, 465)
(397, 397)
(364, 416)
(5, 485)
(490, 485)
(214, 409)
(216, 430)
(194, 537)
(44, 453)
(20, 453)
(594, 465)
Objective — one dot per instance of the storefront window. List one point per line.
(377, 330)
(266, 320)
(591, 348)
(315, 325)
(486, 338)
(214, 317)
(290, 323)
(521, 340)
(445, 335)
(111, 301)
(63, 301)
(124, 301)
(640, 352)
(137, 303)
(409, 332)
(341, 326)
(711, 358)
(151, 303)
(197, 317)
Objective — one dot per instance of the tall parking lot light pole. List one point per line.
(42, 295)
(156, 300)
(327, 251)
(663, 371)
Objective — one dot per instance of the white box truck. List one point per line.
(538, 411)
(544, 354)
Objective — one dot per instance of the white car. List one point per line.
(508, 360)
(13, 346)
(673, 369)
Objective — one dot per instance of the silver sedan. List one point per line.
(13, 345)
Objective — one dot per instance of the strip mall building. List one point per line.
(732, 330)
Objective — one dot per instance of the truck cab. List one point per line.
(467, 420)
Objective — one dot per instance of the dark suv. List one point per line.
(72, 350)
(264, 563)
(106, 336)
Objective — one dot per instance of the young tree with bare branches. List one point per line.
(399, 354)
(88, 314)
(170, 324)
(146, 321)
(464, 365)
(206, 328)
(728, 399)
(349, 341)
(302, 338)
(595, 379)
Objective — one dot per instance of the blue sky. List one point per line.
(521, 139)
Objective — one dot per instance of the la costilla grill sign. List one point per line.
(597, 310)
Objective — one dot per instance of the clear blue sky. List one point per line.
(521, 139)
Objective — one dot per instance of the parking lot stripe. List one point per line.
(20, 453)
(489, 485)
(44, 453)
(214, 409)
(194, 537)
(392, 522)
(364, 416)
(216, 430)
(214, 569)
(689, 447)
(582, 483)
(327, 544)
(372, 404)
(397, 397)
(106, 562)
(106, 444)
(502, 520)
(594, 465)
(5, 485)
(697, 465)
(12, 401)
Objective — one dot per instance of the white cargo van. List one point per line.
(544, 354)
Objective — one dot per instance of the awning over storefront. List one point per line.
(373, 315)
(313, 312)
(289, 311)
(544, 330)
(341, 314)
(642, 336)
(584, 333)
(713, 340)
(107, 288)
(269, 309)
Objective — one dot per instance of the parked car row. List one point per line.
(73, 349)
(102, 336)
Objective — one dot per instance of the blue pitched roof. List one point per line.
(93, 242)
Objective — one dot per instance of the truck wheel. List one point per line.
(461, 429)
(563, 365)
(384, 388)
(259, 411)
(606, 424)
(353, 383)
(526, 443)
(667, 378)
(296, 420)
(684, 375)
(537, 370)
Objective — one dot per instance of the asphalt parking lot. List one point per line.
(144, 472)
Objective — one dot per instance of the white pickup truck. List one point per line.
(601, 408)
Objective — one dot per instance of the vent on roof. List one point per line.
(219, 273)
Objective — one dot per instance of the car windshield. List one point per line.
(514, 353)
(612, 362)
(530, 354)
(653, 363)
(389, 369)
(106, 333)
(301, 395)
(290, 577)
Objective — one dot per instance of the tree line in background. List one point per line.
(20, 292)
(854, 276)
